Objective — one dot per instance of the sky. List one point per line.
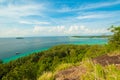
(57, 17)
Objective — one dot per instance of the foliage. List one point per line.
(114, 40)
(46, 76)
(96, 50)
(1, 61)
(34, 65)
(63, 66)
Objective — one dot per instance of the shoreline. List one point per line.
(6, 60)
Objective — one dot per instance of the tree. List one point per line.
(114, 40)
(1, 61)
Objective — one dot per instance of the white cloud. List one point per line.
(100, 5)
(89, 6)
(15, 32)
(98, 15)
(15, 14)
(52, 31)
(33, 22)
(64, 30)
(89, 16)
(16, 11)
(49, 30)
(38, 29)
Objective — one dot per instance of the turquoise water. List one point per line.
(21, 55)
(28, 45)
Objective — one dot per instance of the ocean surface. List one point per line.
(10, 46)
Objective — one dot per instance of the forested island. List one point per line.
(83, 62)
(102, 36)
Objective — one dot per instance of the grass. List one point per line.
(114, 53)
(51, 75)
(98, 72)
(47, 76)
(64, 66)
(93, 71)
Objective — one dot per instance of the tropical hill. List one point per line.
(68, 62)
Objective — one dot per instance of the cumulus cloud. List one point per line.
(59, 30)
(53, 31)
(72, 30)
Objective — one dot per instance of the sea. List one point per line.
(12, 48)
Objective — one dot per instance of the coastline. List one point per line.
(80, 42)
(6, 60)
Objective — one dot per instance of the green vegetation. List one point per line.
(114, 40)
(32, 66)
(44, 65)
(47, 76)
(98, 72)
(102, 36)
(1, 61)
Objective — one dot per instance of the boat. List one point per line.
(17, 53)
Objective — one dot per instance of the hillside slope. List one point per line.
(101, 68)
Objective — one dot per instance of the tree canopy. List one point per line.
(114, 40)
(1, 61)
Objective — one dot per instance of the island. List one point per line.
(103, 36)
(19, 38)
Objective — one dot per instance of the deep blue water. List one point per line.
(9, 46)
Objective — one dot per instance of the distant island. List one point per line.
(106, 36)
(19, 38)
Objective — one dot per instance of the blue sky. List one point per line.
(57, 17)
